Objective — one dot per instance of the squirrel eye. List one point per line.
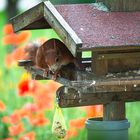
(57, 59)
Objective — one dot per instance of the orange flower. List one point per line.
(38, 119)
(53, 86)
(10, 39)
(6, 119)
(31, 107)
(23, 36)
(18, 54)
(9, 139)
(13, 57)
(77, 123)
(16, 129)
(71, 133)
(15, 117)
(94, 111)
(2, 106)
(28, 136)
(44, 100)
(8, 29)
(43, 96)
(8, 60)
(28, 110)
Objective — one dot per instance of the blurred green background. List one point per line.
(10, 77)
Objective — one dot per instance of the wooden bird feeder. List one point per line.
(112, 37)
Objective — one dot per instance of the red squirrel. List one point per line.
(52, 55)
(31, 49)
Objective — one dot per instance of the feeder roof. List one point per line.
(83, 26)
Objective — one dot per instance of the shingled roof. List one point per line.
(83, 26)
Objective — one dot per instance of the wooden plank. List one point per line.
(99, 66)
(109, 48)
(122, 5)
(66, 33)
(123, 64)
(67, 73)
(20, 22)
(118, 55)
(70, 97)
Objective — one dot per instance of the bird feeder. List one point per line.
(111, 76)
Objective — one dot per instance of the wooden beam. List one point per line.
(70, 97)
(20, 22)
(110, 48)
(118, 55)
(67, 73)
(66, 33)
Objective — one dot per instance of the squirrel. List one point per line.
(53, 55)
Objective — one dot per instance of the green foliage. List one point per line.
(3, 128)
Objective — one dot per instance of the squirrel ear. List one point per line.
(51, 44)
(58, 52)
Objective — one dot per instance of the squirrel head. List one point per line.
(53, 55)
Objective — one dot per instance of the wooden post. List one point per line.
(122, 5)
(112, 110)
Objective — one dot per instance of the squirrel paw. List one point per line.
(46, 73)
(55, 76)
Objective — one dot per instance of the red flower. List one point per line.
(2, 106)
(16, 129)
(72, 132)
(77, 123)
(94, 111)
(9, 139)
(23, 87)
(8, 29)
(10, 39)
(6, 119)
(26, 86)
(15, 117)
(13, 57)
(31, 107)
(38, 119)
(28, 136)
(23, 36)
(8, 60)
(53, 86)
